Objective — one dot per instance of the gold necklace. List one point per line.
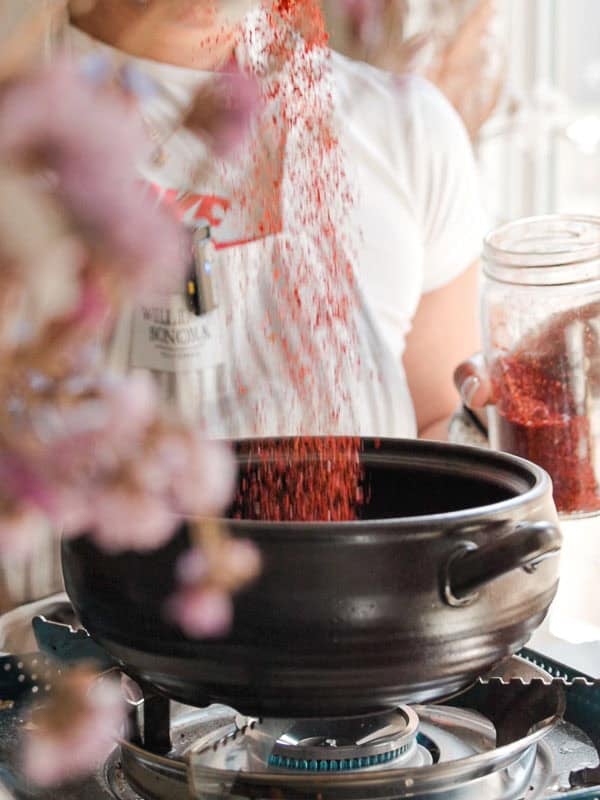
(160, 139)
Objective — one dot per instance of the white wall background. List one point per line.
(541, 152)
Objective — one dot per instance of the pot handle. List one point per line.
(471, 567)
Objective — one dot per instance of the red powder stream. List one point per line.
(306, 478)
(301, 479)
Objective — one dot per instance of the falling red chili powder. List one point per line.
(305, 478)
(299, 479)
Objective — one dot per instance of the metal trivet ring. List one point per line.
(346, 743)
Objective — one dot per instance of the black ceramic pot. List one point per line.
(449, 570)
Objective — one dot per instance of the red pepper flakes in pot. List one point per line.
(301, 479)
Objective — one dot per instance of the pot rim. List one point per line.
(541, 486)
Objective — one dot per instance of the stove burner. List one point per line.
(346, 743)
(335, 764)
(503, 739)
(492, 746)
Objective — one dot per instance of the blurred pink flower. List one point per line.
(92, 141)
(123, 519)
(223, 111)
(203, 482)
(227, 562)
(71, 512)
(91, 453)
(365, 18)
(192, 567)
(240, 563)
(23, 482)
(75, 730)
(104, 463)
(36, 251)
(131, 406)
(97, 457)
(207, 575)
(201, 612)
(93, 307)
(20, 530)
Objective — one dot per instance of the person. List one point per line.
(417, 208)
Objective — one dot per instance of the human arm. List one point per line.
(444, 333)
(448, 211)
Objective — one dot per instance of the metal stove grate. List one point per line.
(582, 696)
(583, 711)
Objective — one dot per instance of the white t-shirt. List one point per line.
(419, 222)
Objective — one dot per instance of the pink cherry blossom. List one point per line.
(365, 17)
(223, 111)
(91, 140)
(192, 567)
(79, 449)
(96, 456)
(75, 730)
(240, 563)
(129, 499)
(128, 520)
(35, 249)
(92, 309)
(22, 481)
(207, 575)
(201, 612)
(203, 484)
(229, 563)
(20, 529)
(131, 405)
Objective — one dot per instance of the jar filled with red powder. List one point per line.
(541, 323)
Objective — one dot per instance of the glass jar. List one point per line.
(541, 332)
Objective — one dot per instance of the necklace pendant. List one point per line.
(158, 157)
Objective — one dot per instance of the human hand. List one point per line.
(472, 381)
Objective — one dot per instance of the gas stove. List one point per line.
(530, 730)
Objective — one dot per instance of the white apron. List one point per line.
(237, 371)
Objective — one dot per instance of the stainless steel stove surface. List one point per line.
(530, 732)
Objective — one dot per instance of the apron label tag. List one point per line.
(169, 338)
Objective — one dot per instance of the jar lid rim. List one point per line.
(551, 240)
